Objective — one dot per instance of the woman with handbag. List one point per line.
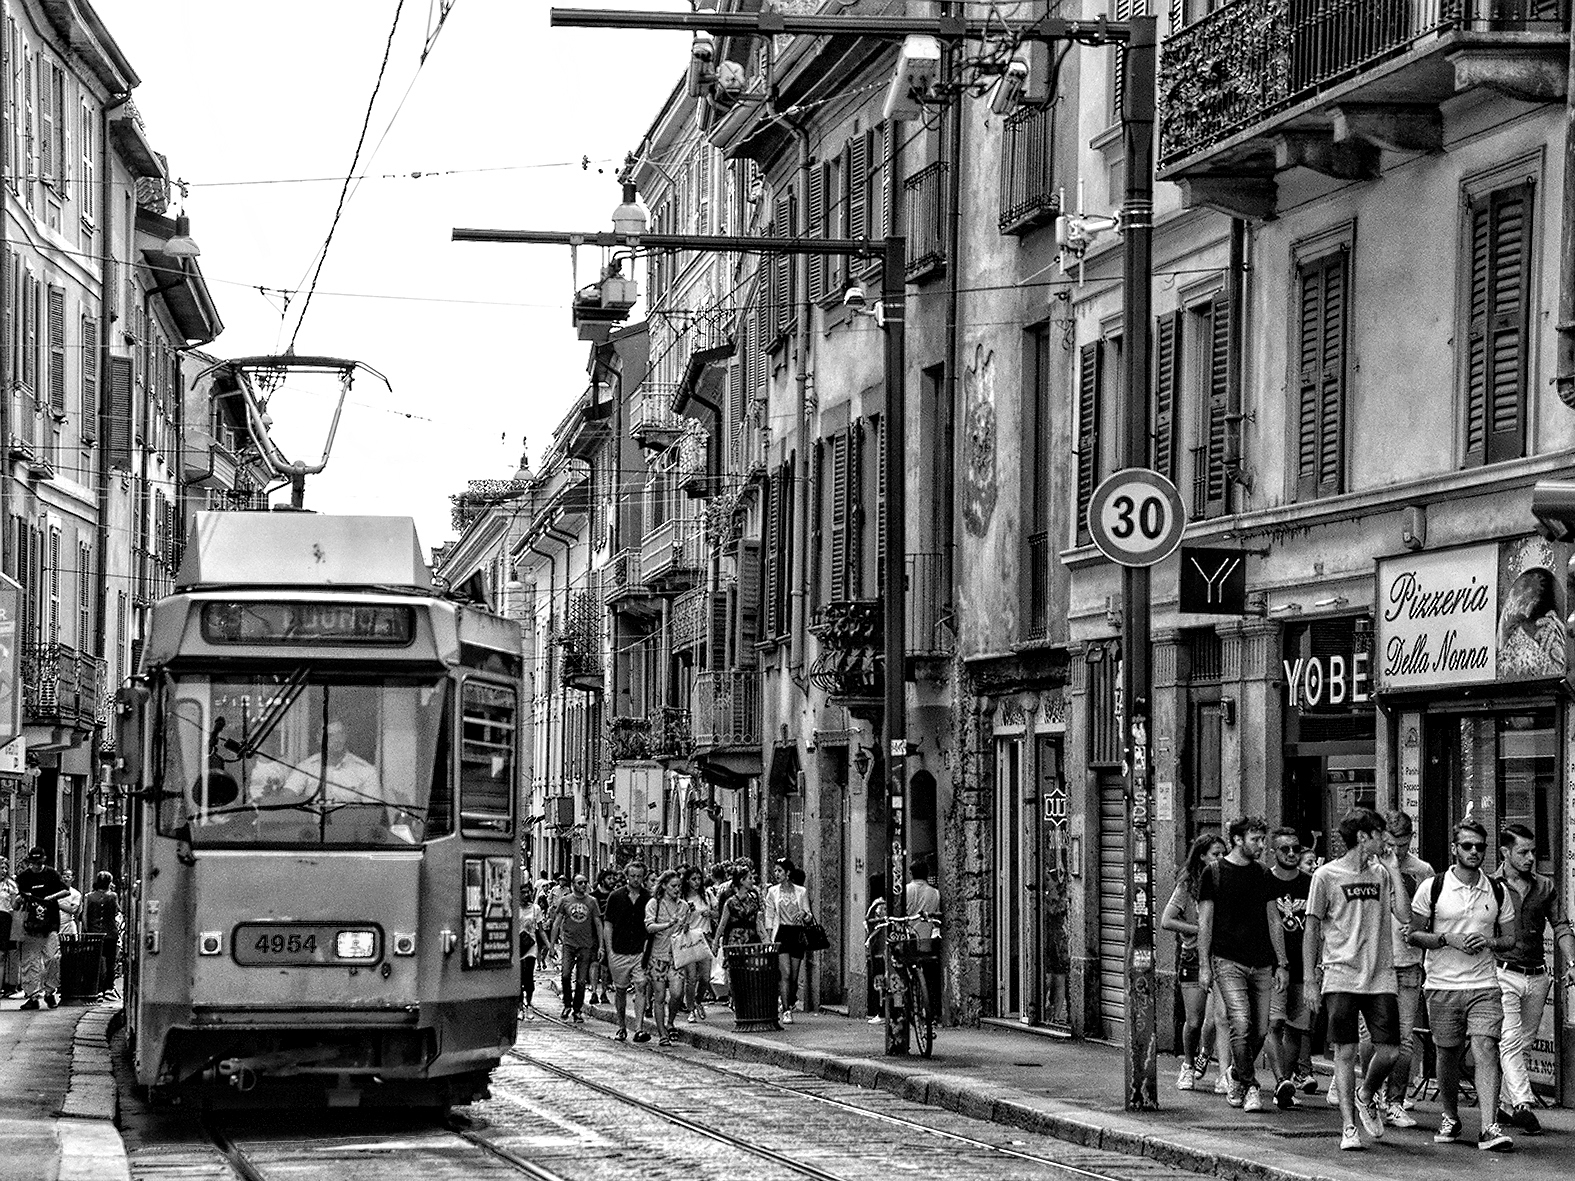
(787, 911)
(692, 945)
(666, 914)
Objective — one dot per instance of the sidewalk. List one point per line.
(57, 1097)
(1073, 1090)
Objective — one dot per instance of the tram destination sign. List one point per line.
(252, 621)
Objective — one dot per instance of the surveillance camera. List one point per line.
(918, 66)
(1010, 87)
(730, 79)
(853, 298)
(704, 47)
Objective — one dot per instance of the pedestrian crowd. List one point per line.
(659, 950)
(1383, 949)
(40, 906)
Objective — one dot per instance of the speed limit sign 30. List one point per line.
(1136, 517)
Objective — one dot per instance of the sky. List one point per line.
(474, 338)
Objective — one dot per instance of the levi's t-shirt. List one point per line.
(1355, 909)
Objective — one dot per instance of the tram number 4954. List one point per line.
(277, 944)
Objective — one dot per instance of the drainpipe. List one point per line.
(552, 591)
(954, 327)
(806, 416)
(1564, 375)
(1236, 475)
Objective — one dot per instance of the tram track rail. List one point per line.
(840, 1104)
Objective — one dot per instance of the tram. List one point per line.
(322, 758)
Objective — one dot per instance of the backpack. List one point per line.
(1436, 891)
(35, 918)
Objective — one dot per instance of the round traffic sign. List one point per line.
(1136, 517)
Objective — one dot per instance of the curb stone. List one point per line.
(1113, 1133)
(90, 1146)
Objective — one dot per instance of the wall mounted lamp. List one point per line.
(861, 760)
(1332, 601)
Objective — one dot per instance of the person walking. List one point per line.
(1242, 944)
(70, 907)
(576, 930)
(601, 977)
(787, 909)
(625, 938)
(1289, 1013)
(1523, 979)
(1353, 905)
(1398, 840)
(1463, 919)
(696, 974)
(530, 947)
(665, 914)
(40, 889)
(1181, 916)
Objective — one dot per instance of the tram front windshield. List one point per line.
(301, 757)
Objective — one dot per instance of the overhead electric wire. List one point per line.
(344, 192)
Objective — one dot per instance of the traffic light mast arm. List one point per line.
(720, 243)
(765, 24)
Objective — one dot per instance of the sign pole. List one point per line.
(1137, 219)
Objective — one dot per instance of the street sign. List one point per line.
(1136, 517)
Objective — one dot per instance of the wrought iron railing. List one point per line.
(694, 453)
(652, 413)
(929, 614)
(629, 738)
(60, 684)
(670, 551)
(1248, 60)
(1038, 586)
(851, 632)
(925, 192)
(1028, 192)
(1200, 482)
(689, 618)
(581, 637)
(623, 574)
(727, 709)
(672, 737)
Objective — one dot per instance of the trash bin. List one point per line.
(82, 966)
(756, 985)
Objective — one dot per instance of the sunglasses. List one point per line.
(1471, 846)
(1289, 848)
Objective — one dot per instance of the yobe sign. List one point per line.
(1474, 615)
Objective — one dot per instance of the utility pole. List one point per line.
(1138, 106)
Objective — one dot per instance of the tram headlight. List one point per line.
(404, 943)
(210, 942)
(355, 945)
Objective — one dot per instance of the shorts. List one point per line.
(628, 971)
(790, 938)
(1455, 1014)
(659, 972)
(1187, 971)
(1290, 1007)
(1381, 1011)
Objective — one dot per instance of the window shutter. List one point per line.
(737, 377)
(720, 599)
(773, 552)
(782, 270)
(1219, 400)
(880, 505)
(748, 602)
(785, 474)
(1321, 393)
(89, 379)
(46, 119)
(1499, 325)
(57, 351)
(1167, 363)
(30, 335)
(7, 311)
(117, 416)
(62, 137)
(1088, 382)
(817, 229)
(869, 181)
(839, 516)
(858, 179)
(855, 514)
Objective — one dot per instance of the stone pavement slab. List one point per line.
(1073, 1090)
(57, 1097)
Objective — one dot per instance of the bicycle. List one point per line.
(902, 946)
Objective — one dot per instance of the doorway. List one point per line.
(1012, 951)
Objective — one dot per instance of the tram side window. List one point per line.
(486, 764)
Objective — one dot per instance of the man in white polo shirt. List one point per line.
(1462, 918)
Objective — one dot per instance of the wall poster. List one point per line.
(488, 939)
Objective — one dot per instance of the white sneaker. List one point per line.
(1350, 1141)
(1188, 1079)
(1222, 1083)
(875, 1021)
(787, 1016)
(1252, 1100)
(1332, 1095)
(1396, 1116)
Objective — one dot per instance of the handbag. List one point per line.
(815, 937)
(690, 947)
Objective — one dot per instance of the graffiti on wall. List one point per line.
(979, 489)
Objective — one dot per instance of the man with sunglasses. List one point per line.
(1523, 978)
(1289, 1019)
(1463, 919)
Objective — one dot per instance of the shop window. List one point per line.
(1497, 769)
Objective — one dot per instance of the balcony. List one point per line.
(929, 615)
(624, 580)
(207, 464)
(1259, 86)
(851, 633)
(671, 735)
(652, 423)
(694, 464)
(1028, 193)
(689, 620)
(727, 710)
(581, 640)
(630, 739)
(670, 556)
(925, 194)
(60, 686)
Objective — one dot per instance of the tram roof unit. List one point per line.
(237, 549)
